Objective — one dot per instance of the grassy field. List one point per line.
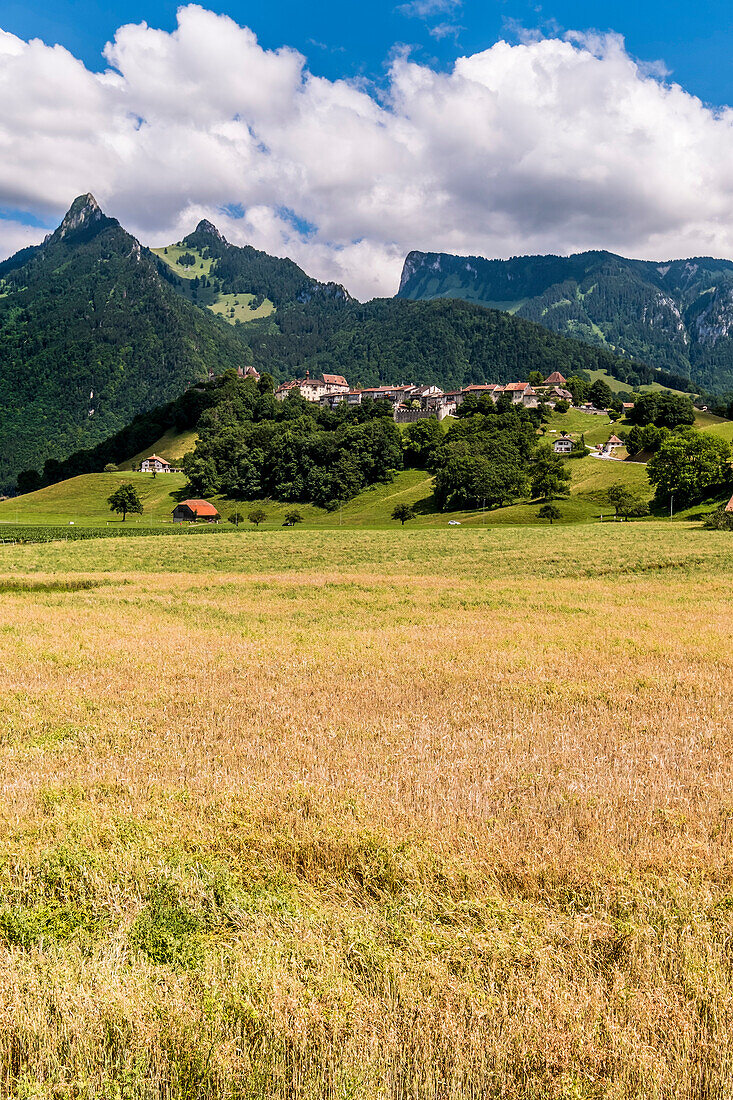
(82, 500)
(423, 814)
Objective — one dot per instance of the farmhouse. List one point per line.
(155, 464)
(614, 443)
(563, 445)
(188, 511)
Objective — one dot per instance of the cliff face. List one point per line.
(676, 315)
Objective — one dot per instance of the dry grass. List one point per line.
(404, 815)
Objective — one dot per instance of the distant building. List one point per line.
(250, 372)
(188, 511)
(313, 389)
(157, 465)
(563, 445)
(556, 379)
(729, 505)
(614, 443)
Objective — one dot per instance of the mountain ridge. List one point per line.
(676, 315)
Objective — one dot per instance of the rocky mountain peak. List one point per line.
(84, 211)
(205, 226)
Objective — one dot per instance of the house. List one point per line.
(189, 511)
(556, 379)
(614, 443)
(155, 465)
(563, 445)
(729, 505)
(313, 389)
(250, 372)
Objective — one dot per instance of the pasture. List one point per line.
(419, 813)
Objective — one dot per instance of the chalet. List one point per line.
(155, 465)
(189, 511)
(614, 443)
(563, 445)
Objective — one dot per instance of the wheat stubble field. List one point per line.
(368, 815)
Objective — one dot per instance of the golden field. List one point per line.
(408, 814)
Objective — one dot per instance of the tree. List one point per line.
(551, 512)
(421, 441)
(110, 468)
(236, 518)
(690, 464)
(266, 383)
(579, 448)
(601, 394)
(579, 388)
(535, 378)
(562, 406)
(293, 516)
(403, 512)
(124, 500)
(29, 481)
(548, 473)
(257, 516)
(626, 503)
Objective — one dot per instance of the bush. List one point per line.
(720, 520)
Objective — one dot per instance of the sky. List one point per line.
(346, 135)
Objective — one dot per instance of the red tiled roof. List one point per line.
(157, 458)
(335, 380)
(514, 386)
(614, 439)
(555, 379)
(200, 507)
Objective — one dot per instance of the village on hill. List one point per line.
(413, 402)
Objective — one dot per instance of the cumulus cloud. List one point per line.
(553, 145)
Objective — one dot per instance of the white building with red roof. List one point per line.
(313, 389)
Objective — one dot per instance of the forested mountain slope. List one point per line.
(676, 315)
(90, 336)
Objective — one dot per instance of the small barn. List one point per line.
(189, 511)
(563, 445)
(614, 443)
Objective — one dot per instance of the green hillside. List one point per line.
(674, 316)
(202, 288)
(82, 500)
(90, 336)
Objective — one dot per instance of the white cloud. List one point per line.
(424, 9)
(552, 145)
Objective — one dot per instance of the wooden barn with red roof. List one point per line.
(189, 511)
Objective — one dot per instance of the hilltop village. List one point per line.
(411, 402)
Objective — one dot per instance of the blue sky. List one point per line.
(346, 135)
(693, 40)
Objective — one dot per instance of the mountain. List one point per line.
(239, 283)
(96, 331)
(677, 315)
(90, 336)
